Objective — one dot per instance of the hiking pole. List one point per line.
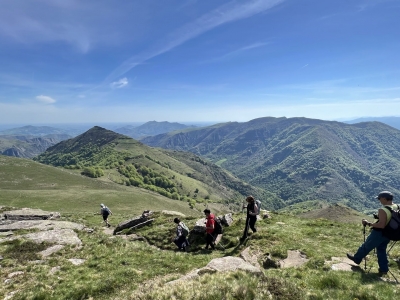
(365, 257)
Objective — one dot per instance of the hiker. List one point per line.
(182, 232)
(376, 238)
(105, 212)
(251, 218)
(210, 221)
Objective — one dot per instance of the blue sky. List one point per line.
(197, 60)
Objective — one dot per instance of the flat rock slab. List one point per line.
(172, 213)
(30, 214)
(295, 259)
(223, 264)
(40, 224)
(343, 264)
(49, 251)
(231, 263)
(56, 236)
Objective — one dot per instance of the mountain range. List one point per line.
(301, 159)
(150, 128)
(28, 146)
(391, 121)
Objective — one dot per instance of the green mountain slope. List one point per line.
(25, 183)
(118, 158)
(28, 146)
(150, 128)
(301, 159)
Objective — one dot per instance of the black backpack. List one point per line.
(218, 226)
(392, 229)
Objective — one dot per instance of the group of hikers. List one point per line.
(212, 225)
(385, 229)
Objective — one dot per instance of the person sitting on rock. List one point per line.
(105, 212)
(182, 232)
(210, 222)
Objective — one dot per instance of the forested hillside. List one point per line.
(301, 159)
(112, 156)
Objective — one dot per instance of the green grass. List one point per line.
(116, 268)
(121, 269)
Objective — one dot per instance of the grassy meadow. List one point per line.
(118, 268)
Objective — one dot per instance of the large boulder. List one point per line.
(200, 226)
(134, 222)
(226, 220)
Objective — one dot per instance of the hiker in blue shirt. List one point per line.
(376, 239)
(182, 232)
(105, 212)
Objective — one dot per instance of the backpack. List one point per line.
(218, 226)
(392, 229)
(258, 202)
(105, 211)
(185, 229)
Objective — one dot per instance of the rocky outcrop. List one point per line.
(226, 220)
(50, 229)
(56, 236)
(41, 225)
(136, 222)
(200, 226)
(30, 214)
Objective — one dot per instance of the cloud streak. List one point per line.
(45, 99)
(237, 52)
(120, 83)
(230, 12)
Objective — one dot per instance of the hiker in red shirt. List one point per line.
(209, 229)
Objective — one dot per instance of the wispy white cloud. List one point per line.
(81, 24)
(236, 52)
(45, 99)
(230, 12)
(120, 83)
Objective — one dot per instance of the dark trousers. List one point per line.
(250, 222)
(181, 242)
(210, 240)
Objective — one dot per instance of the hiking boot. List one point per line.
(381, 273)
(351, 257)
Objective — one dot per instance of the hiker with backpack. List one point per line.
(105, 212)
(251, 217)
(210, 225)
(182, 232)
(379, 237)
